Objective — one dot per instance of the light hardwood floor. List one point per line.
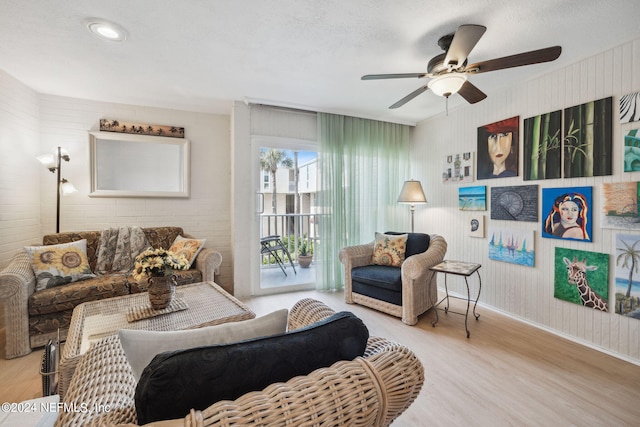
(507, 374)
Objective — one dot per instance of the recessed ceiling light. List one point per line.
(106, 30)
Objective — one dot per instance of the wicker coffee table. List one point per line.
(207, 304)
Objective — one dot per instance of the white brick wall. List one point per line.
(33, 124)
(205, 214)
(19, 170)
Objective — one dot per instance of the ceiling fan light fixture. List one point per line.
(447, 84)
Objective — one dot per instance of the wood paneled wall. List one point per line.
(525, 292)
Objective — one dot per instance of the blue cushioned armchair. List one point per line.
(406, 291)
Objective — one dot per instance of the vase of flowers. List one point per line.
(156, 266)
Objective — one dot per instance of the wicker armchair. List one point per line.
(418, 291)
(369, 391)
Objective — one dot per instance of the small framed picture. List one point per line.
(476, 226)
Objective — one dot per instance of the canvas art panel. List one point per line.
(542, 146)
(497, 152)
(630, 107)
(587, 139)
(620, 205)
(476, 226)
(515, 203)
(627, 283)
(632, 151)
(472, 198)
(512, 245)
(582, 277)
(567, 213)
(458, 167)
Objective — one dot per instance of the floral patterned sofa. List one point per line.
(32, 318)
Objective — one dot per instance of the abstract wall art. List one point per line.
(630, 107)
(632, 151)
(620, 205)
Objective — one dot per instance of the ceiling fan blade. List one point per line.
(393, 76)
(409, 97)
(471, 93)
(464, 40)
(526, 58)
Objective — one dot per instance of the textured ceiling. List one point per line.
(200, 55)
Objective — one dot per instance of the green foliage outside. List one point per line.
(290, 243)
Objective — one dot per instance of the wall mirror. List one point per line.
(129, 165)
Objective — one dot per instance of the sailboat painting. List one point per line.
(511, 245)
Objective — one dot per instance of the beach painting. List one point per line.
(512, 245)
(472, 198)
(627, 275)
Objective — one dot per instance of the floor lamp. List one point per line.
(412, 194)
(53, 162)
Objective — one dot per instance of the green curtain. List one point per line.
(363, 164)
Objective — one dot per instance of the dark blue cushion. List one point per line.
(175, 382)
(381, 276)
(416, 242)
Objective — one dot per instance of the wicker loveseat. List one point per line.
(372, 390)
(32, 318)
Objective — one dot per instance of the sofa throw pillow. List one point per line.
(187, 247)
(389, 249)
(56, 265)
(175, 382)
(140, 347)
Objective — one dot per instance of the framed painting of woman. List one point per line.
(567, 213)
(498, 149)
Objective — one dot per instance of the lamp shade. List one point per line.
(48, 160)
(66, 187)
(412, 193)
(447, 84)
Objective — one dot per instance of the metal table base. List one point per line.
(464, 269)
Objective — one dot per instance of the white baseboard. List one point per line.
(545, 328)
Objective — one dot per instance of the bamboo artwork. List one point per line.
(587, 139)
(542, 146)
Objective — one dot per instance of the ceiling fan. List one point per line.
(448, 71)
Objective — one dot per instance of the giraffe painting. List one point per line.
(577, 272)
(582, 277)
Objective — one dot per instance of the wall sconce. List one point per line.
(412, 194)
(53, 162)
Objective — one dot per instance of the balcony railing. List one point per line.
(293, 229)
